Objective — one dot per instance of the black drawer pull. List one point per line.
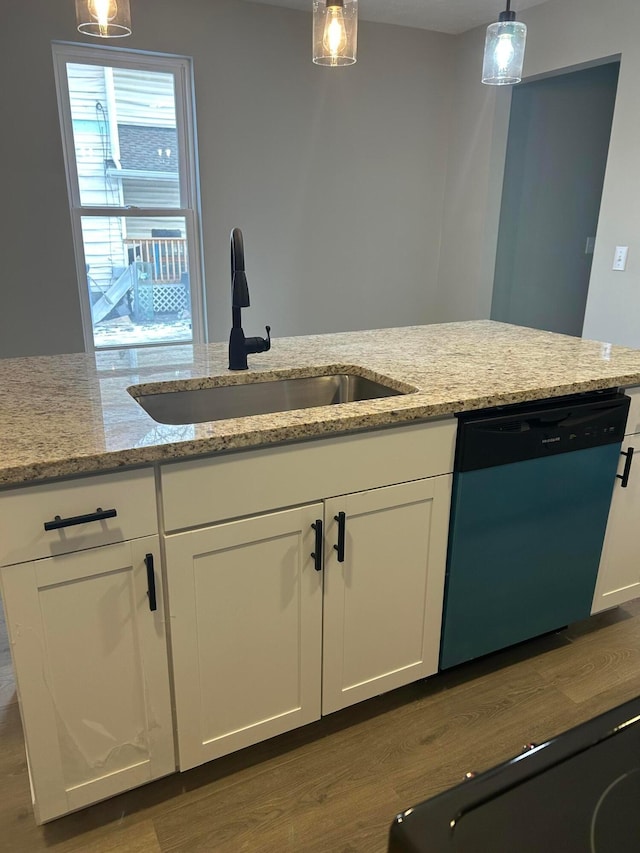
(342, 523)
(99, 515)
(627, 467)
(151, 582)
(317, 554)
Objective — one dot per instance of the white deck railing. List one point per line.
(167, 256)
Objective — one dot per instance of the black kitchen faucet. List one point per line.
(239, 346)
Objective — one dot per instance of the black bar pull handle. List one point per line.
(627, 467)
(317, 554)
(341, 518)
(99, 515)
(151, 582)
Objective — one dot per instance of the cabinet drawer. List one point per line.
(24, 512)
(633, 421)
(229, 486)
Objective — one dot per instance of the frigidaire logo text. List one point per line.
(549, 440)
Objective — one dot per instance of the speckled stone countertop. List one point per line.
(72, 414)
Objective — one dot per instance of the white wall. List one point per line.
(336, 176)
(562, 34)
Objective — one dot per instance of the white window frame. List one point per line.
(182, 69)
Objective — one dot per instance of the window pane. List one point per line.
(138, 279)
(125, 137)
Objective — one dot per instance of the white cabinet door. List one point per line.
(92, 673)
(246, 628)
(619, 572)
(383, 604)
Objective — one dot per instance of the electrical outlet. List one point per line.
(620, 258)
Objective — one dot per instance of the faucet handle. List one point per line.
(258, 344)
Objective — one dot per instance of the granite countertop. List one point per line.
(72, 414)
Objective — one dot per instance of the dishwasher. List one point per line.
(531, 493)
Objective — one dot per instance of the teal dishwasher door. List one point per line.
(524, 548)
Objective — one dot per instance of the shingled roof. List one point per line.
(145, 148)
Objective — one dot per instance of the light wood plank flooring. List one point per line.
(334, 786)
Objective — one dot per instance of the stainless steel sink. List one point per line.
(259, 398)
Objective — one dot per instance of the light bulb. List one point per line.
(104, 18)
(335, 34)
(104, 11)
(504, 52)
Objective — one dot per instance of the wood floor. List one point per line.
(334, 786)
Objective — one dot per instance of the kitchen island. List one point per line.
(158, 583)
(66, 415)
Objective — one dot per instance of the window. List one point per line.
(128, 135)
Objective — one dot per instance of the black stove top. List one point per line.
(578, 793)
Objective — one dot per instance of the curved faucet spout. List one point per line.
(239, 286)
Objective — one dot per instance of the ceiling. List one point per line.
(445, 16)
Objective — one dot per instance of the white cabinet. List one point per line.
(269, 628)
(246, 613)
(250, 578)
(383, 602)
(619, 573)
(246, 619)
(88, 640)
(91, 671)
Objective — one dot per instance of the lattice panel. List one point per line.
(163, 299)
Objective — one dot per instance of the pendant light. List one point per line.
(335, 32)
(105, 19)
(504, 50)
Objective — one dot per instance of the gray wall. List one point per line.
(335, 176)
(40, 309)
(559, 132)
(563, 34)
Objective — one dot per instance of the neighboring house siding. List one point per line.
(152, 106)
(151, 150)
(146, 124)
(146, 193)
(102, 237)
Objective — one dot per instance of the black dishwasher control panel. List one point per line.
(507, 434)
